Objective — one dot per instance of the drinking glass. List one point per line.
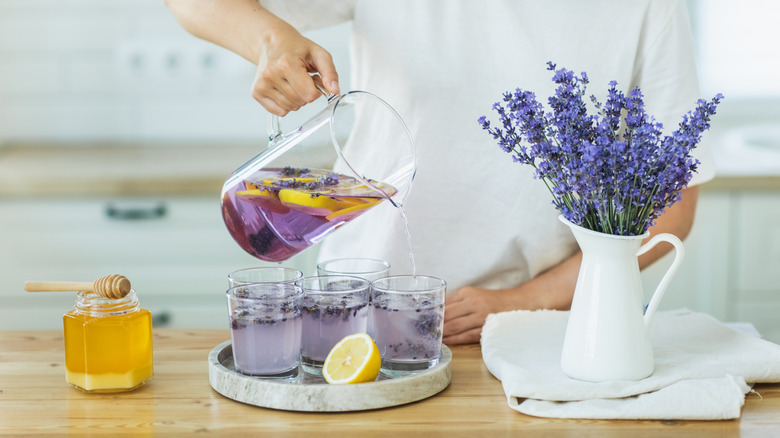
(265, 322)
(408, 319)
(264, 275)
(334, 306)
(370, 269)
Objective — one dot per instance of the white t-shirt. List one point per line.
(475, 217)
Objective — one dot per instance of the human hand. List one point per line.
(467, 308)
(465, 311)
(283, 82)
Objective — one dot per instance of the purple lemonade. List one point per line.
(265, 330)
(266, 347)
(331, 310)
(408, 323)
(409, 334)
(279, 212)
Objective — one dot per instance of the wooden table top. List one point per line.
(35, 400)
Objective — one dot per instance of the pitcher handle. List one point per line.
(660, 290)
(275, 129)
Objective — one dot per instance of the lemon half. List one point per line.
(355, 359)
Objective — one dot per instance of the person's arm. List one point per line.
(467, 308)
(284, 57)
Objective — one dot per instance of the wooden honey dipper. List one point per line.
(110, 286)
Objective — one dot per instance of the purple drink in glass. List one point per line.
(278, 212)
(334, 306)
(265, 322)
(408, 320)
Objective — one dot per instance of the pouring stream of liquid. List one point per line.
(408, 239)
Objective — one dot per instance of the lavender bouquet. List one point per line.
(613, 171)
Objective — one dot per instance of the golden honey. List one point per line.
(108, 343)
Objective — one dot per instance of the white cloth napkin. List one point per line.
(701, 369)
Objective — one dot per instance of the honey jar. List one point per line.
(108, 343)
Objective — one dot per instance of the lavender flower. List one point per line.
(613, 172)
(294, 180)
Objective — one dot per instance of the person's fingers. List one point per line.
(271, 106)
(297, 94)
(274, 93)
(454, 297)
(273, 100)
(468, 337)
(303, 85)
(322, 63)
(456, 310)
(463, 324)
(319, 85)
(283, 81)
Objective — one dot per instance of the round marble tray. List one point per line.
(313, 394)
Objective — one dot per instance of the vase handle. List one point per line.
(679, 252)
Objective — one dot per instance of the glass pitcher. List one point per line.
(320, 176)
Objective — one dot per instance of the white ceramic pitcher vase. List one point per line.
(607, 333)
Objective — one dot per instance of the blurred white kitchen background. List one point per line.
(117, 128)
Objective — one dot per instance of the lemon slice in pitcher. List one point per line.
(355, 359)
(321, 205)
(352, 211)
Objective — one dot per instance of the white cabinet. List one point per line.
(175, 251)
(757, 242)
(756, 282)
(732, 263)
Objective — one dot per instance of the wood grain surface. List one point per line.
(36, 401)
